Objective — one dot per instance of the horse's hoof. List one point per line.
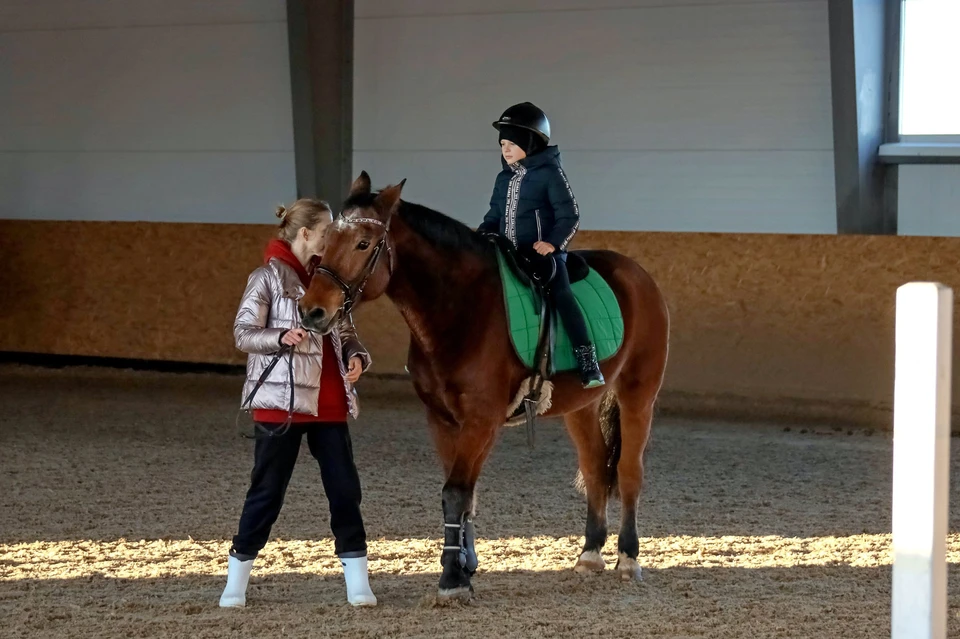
(463, 594)
(629, 569)
(590, 561)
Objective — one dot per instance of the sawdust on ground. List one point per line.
(119, 492)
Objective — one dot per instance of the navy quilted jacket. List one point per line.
(532, 201)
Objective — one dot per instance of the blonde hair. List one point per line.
(305, 212)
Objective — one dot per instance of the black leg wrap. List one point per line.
(461, 540)
(453, 543)
(455, 557)
(469, 542)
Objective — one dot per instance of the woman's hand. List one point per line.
(293, 337)
(544, 248)
(355, 370)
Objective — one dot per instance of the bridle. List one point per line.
(353, 290)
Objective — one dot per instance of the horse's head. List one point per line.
(357, 259)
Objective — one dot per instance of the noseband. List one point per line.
(353, 291)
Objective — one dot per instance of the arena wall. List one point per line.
(774, 326)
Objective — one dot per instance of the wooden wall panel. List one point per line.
(761, 323)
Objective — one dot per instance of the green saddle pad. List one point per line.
(597, 302)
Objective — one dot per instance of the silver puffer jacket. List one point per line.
(268, 308)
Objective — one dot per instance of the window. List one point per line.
(930, 69)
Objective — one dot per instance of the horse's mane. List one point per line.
(442, 231)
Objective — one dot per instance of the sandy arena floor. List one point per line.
(119, 492)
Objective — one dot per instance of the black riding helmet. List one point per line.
(526, 115)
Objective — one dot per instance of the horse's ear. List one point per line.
(361, 185)
(390, 197)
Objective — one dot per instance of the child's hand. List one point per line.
(355, 371)
(544, 248)
(293, 337)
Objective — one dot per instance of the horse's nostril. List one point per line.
(316, 315)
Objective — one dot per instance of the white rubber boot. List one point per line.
(358, 584)
(238, 576)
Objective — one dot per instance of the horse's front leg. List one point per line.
(463, 452)
(459, 558)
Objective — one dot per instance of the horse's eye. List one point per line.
(363, 245)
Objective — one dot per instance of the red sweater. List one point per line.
(332, 401)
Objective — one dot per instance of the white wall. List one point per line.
(929, 200)
(688, 115)
(682, 115)
(144, 110)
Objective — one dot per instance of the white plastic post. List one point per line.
(921, 459)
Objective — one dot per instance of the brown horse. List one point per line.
(443, 278)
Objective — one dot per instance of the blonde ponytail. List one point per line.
(305, 212)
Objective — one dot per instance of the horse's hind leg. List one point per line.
(584, 429)
(636, 416)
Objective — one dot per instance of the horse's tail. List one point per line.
(610, 427)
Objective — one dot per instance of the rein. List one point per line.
(259, 431)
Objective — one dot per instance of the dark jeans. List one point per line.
(274, 459)
(567, 307)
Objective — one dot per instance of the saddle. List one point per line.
(536, 272)
(539, 340)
